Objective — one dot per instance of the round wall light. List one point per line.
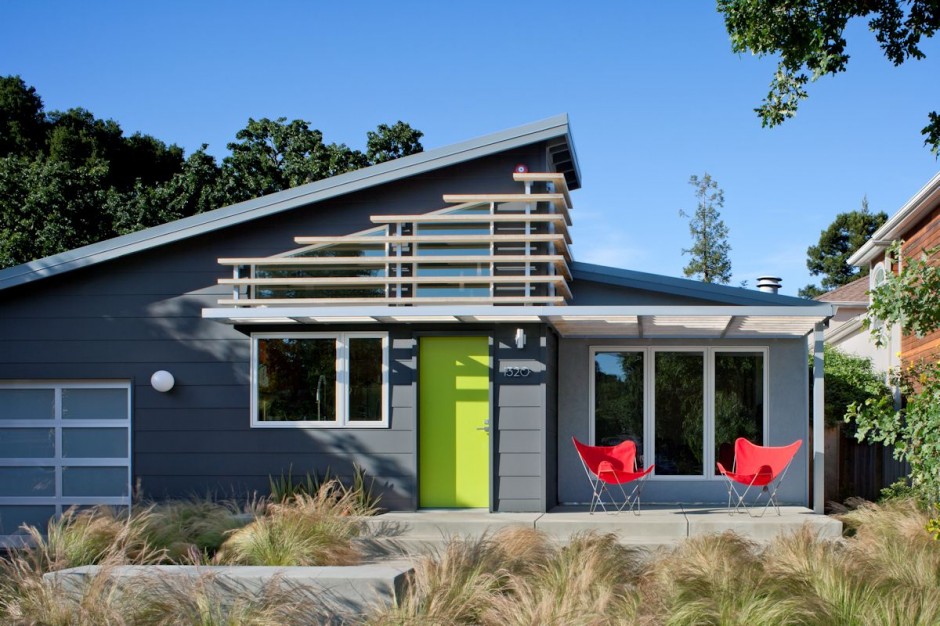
(162, 381)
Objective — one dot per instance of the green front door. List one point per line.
(454, 396)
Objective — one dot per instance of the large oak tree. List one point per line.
(808, 36)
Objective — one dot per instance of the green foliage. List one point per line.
(850, 379)
(391, 142)
(68, 179)
(808, 37)
(284, 488)
(709, 260)
(829, 258)
(909, 298)
(22, 131)
(914, 430)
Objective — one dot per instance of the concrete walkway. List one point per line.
(654, 526)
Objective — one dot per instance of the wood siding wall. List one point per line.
(923, 236)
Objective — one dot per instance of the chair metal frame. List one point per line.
(612, 465)
(764, 467)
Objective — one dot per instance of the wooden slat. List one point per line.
(561, 185)
(352, 281)
(447, 218)
(360, 281)
(557, 198)
(515, 259)
(559, 219)
(550, 300)
(557, 238)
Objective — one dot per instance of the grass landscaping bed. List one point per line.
(885, 571)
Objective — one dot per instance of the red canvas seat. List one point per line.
(757, 466)
(614, 466)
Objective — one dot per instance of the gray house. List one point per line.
(423, 318)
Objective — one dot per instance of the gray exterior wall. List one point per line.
(125, 319)
(788, 400)
(520, 417)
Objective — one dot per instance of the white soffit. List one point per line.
(640, 322)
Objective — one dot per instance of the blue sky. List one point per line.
(653, 91)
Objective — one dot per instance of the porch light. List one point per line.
(162, 381)
(520, 338)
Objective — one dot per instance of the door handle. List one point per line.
(485, 427)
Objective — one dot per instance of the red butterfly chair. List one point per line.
(612, 465)
(757, 466)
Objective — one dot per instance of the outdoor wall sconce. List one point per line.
(520, 338)
(162, 381)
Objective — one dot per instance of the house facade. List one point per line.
(424, 319)
(917, 224)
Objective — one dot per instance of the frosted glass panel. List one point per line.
(94, 481)
(94, 404)
(27, 443)
(103, 443)
(27, 404)
(12, 516)
(27, 481)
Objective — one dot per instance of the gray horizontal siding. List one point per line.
(286, 440)
(125, 319)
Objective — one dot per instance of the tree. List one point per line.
(391, 142)
(68, 178)
(808, 36)
(829, 257)
(909, 298)
(709, 251)
(22, 123)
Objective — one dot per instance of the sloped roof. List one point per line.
(855, 291)
(552, 128)
(720, 294)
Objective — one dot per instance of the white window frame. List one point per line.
(58, 462)
(708, 394)
(342, 380)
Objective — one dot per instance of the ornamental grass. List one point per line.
(886, 572)
(308, 529)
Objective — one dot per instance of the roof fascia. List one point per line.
(912, 211)
(809, 309)
(680, 286)
(264, 206)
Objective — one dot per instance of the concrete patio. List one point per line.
(654, 526)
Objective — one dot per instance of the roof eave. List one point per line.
(912, 212)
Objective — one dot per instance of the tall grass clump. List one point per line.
(188, 530)
(720, 579)
(517, 575)
(210, 600)
(590, 579)
(315, 529)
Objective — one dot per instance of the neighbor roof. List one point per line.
(552, 128)
(855, 292)
(912, 212)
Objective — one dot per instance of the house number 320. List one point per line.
(516, 372)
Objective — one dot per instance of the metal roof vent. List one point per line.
(769, 284)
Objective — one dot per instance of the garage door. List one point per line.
(62, 444)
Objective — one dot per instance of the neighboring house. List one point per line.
(917, 224)
(847, 330)
(423, 318)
